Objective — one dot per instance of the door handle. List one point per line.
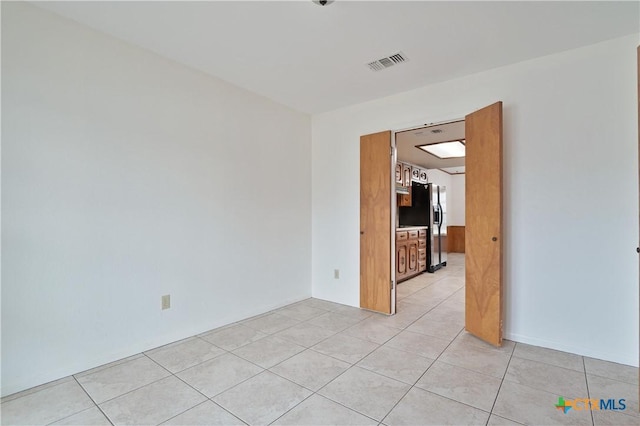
(494, 239)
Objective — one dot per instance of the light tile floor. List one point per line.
(317, 362)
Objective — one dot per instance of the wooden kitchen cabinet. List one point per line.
(411, 253)
(406, 175)
(399, 180)
(404, 200)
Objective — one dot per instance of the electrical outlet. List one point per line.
(166, 301)
(336, 274)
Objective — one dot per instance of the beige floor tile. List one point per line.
(396, 364)
(317, 410)
(207, 413)
(446, 314)
(184, 354)
(612, 418)
(442, 330)
(420, 407)
(406, 305)
(419, 344)
(334, 322)
(400, 320)
(48, 404)
(500, 421)
(91, 417)
(305, 334)
(365, 392)
(300, 312)
(466, 338)
(611, 370)
(320, 304)
(233, 337)
(111, 382)
(269, 351)
(601, 387)
(472, 357)
(152, 404)
(109, 365)
(262, 399)
(345, 348)
(219, 374)
(372, 331)
(549, 356)
(36, 389)
(535, 407)
(466, 386)
(271, 323)
(537, 375)
(311, 369)
(353, 312)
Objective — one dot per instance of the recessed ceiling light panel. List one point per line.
(454, 149)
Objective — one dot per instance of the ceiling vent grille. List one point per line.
(387, 62)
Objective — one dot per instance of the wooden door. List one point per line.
(375, 222)
(483, 231)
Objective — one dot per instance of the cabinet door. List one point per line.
(404, 200)
(399, 173)
(412, 252)
(415, 174)
(423, 177)
(406, 175)
(401, 259)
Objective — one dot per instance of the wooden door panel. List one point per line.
(401, 259)
(483, 230)
(375, 222)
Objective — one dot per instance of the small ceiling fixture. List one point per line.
(323, 2)
(444, 150)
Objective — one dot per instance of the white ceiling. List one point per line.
(314, 58)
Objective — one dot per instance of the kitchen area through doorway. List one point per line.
(430, 208)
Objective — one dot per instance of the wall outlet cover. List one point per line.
(166, 301)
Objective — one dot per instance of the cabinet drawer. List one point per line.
(422, 265)
(402, 235)
(422, 233)
(422, 254)
(422, 243)
(413, 234)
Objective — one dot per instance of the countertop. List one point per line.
(410, 228)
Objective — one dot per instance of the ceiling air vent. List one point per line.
(387, 62)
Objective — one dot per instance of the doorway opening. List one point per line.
(380, 223)
(429, 219)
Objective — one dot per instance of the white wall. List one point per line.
(456, 200)
(126, 176)
(571, 152)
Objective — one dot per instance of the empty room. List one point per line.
(319, 212)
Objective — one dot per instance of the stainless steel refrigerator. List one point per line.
(437, 227)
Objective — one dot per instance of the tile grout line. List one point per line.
(502, 382)
(92, 400)
(586, 380)
(421, 376)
